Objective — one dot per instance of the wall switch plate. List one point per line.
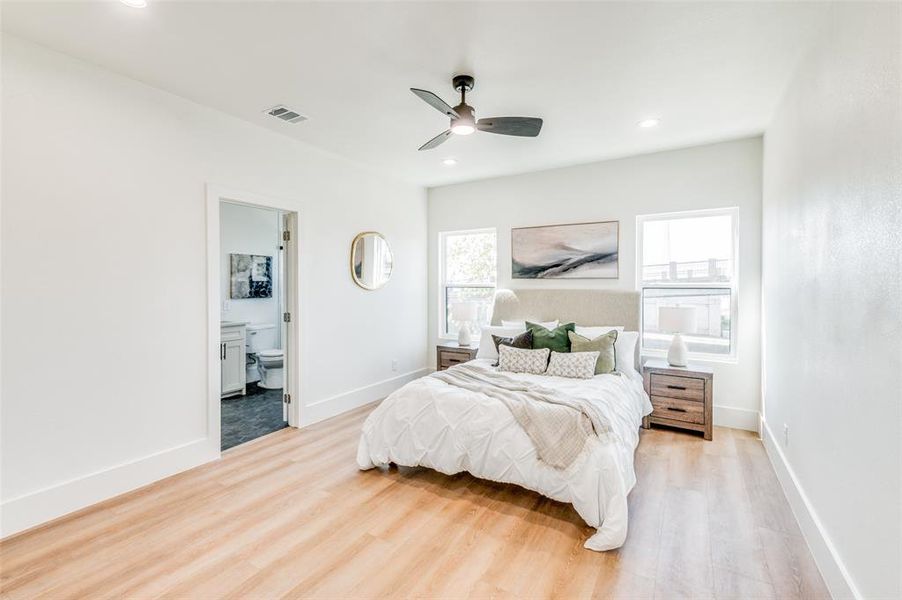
(394, 364)
(785, 434)
(225, 306)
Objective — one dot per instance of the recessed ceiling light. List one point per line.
(449, 162)
(135, 3)
(646, 123)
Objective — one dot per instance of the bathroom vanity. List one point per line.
(232, 340)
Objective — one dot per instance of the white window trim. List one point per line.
(733, 286)
(442, 268)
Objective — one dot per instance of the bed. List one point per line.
(432, 423)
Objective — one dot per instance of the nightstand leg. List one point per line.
(646, 423)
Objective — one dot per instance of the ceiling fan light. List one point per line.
(463, 128)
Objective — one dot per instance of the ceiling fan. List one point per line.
(463, 120)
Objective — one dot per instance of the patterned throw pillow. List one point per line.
(576, 365)
(555, 340)
(603, 344)
(518, 360)
(524, 340)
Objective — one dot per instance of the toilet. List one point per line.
(269, 364)
(262, 345)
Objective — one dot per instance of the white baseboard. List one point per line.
(736, 418)
(828, 561)
(32, 509)
(336, 405)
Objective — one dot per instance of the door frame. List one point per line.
(217, 194)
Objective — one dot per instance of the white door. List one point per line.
(288, 301)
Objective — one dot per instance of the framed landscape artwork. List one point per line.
(576, 251)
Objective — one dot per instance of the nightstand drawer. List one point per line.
(672, 386)
(449, 358)
(688, 411)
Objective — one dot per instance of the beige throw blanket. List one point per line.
(557, 424)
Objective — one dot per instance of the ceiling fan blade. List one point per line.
(436, 141)
(521, 126)
(436, 102)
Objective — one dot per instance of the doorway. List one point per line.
(253, 284)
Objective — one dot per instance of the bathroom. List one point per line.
(252, 328)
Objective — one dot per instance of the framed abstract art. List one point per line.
(251, 276)
(574, 251)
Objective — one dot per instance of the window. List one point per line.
(467, 273)
(690, 259)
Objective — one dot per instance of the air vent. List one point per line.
(286, 114)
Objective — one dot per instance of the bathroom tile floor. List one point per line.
(245, 418)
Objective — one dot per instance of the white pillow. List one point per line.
(522, 324)
(596, 330)
(520, 360)
(625, 350)
(576, 365)
(487, 346)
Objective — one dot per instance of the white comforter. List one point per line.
(432, 424)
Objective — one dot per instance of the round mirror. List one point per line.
(371, 260)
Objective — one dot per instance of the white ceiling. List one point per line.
(710, 71)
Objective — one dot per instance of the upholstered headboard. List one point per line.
(584, 307)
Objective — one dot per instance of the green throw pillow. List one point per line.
(603, 344)
(555, 340)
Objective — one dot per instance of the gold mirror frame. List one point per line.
(354, 277)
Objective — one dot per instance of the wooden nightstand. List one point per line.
(448, 354)
(682, 396)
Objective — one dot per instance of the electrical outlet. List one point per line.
(785, 434)
(394, 364)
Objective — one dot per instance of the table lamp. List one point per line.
(463, 313)
(677, 320)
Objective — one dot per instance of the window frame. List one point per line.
(732, 285)
(443, 284)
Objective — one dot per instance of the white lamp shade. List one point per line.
(463, 311)
(676, 319)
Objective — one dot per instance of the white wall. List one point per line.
(249, 230)
(104, 278)
(833, 298)
(714, 176)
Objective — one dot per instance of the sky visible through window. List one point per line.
(688, 261)
(688, 240)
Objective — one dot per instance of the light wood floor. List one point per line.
(291, 516)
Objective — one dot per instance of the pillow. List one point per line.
(603, 345)
(554, 339)
(596, 330)
(576, 365)
(625, 350)
(519, 360)
(522, 324)
(487, 347)
(524, 340)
